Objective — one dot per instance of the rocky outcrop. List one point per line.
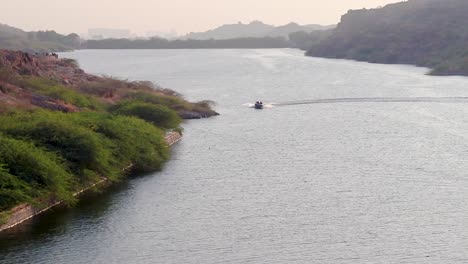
(64, 71)
(14, 65)
(17, 63)
(21, 62)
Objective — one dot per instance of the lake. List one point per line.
(357, 181)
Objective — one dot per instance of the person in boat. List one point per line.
(258, 105)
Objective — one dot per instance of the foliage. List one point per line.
(36, 41)
(108, 126)
(203, 106)
(136, 142)
(156, 114)
(4, 216)
(80, 147)
(179, 130)
(30, 171)
(56, 91)
(173, 102)
(428, 33)
(46, 152)
(13, 190)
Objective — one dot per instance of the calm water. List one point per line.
(351, 182)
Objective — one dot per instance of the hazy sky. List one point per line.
(66, 16)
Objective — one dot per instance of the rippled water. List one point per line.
(365, 181)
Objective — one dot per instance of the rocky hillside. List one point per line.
(30, 81)
(430, 33)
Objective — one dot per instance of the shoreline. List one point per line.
(24, 212)
(430, 71)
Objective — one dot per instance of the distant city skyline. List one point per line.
(181, 16)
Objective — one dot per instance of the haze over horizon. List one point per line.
(183, 16)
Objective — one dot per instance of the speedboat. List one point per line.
(258, 105)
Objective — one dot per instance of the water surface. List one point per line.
(343, 182)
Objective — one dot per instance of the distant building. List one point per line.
(162, 34)
(104, 33)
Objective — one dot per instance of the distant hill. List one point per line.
(160, 43)
(41, 41)
(255, 35)
(284, 31)
(305, 40)
(430, 33)
(254, 29)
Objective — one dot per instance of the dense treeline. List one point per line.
(36, 41)
(430, 33)
(160, 43)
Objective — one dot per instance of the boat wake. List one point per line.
(377, 100)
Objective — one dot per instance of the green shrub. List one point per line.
(172, 102)
(158, 115)
(4, 216)
(136, 142)
(56, 91)
(12, 189)
(57, 132)
(92, 144)
(29, 171)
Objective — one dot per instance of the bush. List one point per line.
(80, 147)
(30, 172)
(55, 91)
(158, 115)
(136, 141)
(92, 144)
(12, 189)
(172, 102)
